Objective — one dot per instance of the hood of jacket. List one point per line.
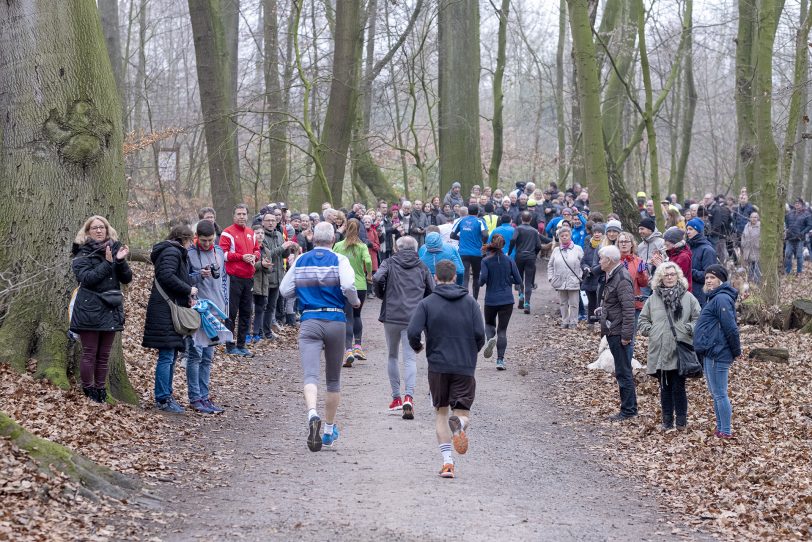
(724, 289)
(650, 239)
(434, 242)
(450, 291)
(699, 239)
(164, 245)
(407, 259)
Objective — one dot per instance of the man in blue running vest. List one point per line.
(471, 232)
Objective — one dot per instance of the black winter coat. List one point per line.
(96, 275)
(171, 263)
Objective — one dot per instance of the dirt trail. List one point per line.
(525, 477)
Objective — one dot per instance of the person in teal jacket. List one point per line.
(434, 250)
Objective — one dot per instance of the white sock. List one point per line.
(328, 429)
(445, 449)
(311, 414)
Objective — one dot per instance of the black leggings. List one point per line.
(355, 327)
(527, 269)
(502, 313)
(673, 398)
(472, 266)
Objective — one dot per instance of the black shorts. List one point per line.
(456, 391)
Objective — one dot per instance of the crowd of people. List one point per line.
(427, 261)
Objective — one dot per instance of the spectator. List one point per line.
(375, 246)
(798, 223)
(703, 256)
(677, 251)
(652, 241)
(564, 273)
(636, 267)
(751, 247)
(453, 196)
(592, 269)
(269, 271)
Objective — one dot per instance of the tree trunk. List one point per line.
(458, 70)
(799, 160)
(108, 9)
(590, 106)
(214, 72)
(498, 97)
(61, 161)
(277, 121)
(560, 121)
(745, 97)
(689, 107)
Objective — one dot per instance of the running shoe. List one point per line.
(521, 300)
(215, 408)
(500, 364)
(329, 440)
(233, 351)
(170, 405)
(447, 471)
(349, 358)
(244, 352)
(201, 407)
(358, 352)
(313, 438)
(248, 339)
(458, 436)
(276, 327)
(527, 308)
(488, 352)
(396, 404)
(408, 407)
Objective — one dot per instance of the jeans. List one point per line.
(164, 370)
(527, 270)
(793, 248)
(198, 370)
(265, 312)
(716, 376)
(673, 398)
(472, 266)
(502, 314)
(240, 301)
(623, 374)
(396, 339)
(93, 367)
(754, 272)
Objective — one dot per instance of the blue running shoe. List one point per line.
(248, 339)
(329, 440)
(256, 338)
(170, 405)
(244, 352)
(233, 351)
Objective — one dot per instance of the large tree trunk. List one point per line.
(214, 74)
(799, 160)
(108, 9)
(342, 107)
(458, 69)
(686, 120)
(796, 103)
(498, 97)
(590, 106)
(277, 121)
(745, 52)
(61, 161)
(560, 121)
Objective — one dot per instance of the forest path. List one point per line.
(525, 476)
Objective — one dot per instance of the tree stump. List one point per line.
(801, 314)
(772, 355)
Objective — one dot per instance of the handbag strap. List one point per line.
(564, 259)
(161, 291)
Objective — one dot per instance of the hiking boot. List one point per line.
(682, 423)
(349, 358)
(329, 440)
(668, 423)
(101, 395)
(215, 408)
(201, 407)
(408, 407)
(91, 393)
(169, 405)
(500, 364)
(358, 352)
(725, 436)
(620, 417)
(314, 438)
(396, 404)
(447, 471)
(458, 436)
(488, 352)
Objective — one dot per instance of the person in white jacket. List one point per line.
(564, 273)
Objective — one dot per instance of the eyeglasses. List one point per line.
(98, 228)
(625, 242)
(669, 274)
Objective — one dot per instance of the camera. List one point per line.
(214, 269)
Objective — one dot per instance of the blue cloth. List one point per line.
(198, 371)
(579, 232)
(435, 250)
(164, 370)
(549, 229)
(698, 224)
(703, 255)
(210, 318)
(469, 231)
(716, 334)
(318, 285)
(716, 375)
(506, 231)
(499, 273)
(796, 249)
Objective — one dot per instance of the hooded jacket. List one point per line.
(96, 275)
(500, 273)
(401, 282)
(435, 250)
(716, 335)
(455, 331)
(270, 249)
(662, 348)
(649, 246)
(751, 242)
(681, 255)
(703, 255)
(171, 262)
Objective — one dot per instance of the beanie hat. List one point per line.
(698, 224)
(455, 184)
(641, 195)
(673, 235)
(531, 202)
(614, 225)
(599, 226)
(648, 223)
(717, 271)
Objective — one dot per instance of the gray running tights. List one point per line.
(315, 336)
(396, 339)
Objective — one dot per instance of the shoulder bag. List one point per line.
(688, 365)
(185, 320)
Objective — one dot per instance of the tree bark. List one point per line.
(60, 141)
(108, 9)
(745, 52)
(686, 120)
(458, 69)
(277, 122)
(498, 96)
(214, 75)
(799, 160)
(560, 121)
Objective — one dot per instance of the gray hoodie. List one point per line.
(649, 246)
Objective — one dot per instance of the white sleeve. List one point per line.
(346, 275)
(288, 286)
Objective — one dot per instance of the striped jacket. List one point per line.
(321, 280)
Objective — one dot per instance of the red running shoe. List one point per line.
(396, 404)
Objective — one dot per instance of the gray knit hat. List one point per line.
(673, 235)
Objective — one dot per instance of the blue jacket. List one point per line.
(579, 232)
(469, 231)
(703, 255)
(506, 231)
(716, 335)
(499, 272)
(435, 250)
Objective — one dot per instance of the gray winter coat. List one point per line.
(271, 249)
(401, 282)
(662, 348)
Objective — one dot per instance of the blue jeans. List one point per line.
(623, 374)
(198, 370)
(793, 248)
(716, 377)
(164, 370)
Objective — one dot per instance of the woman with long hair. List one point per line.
(100, 266)
(358, 254)
(498, 274)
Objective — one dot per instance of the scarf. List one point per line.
(594, 242)
(672, 297)
(565, 246)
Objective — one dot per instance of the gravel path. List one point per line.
(525, 477)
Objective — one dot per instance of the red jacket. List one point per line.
(637, 272)
(682, 257)
(237, 241)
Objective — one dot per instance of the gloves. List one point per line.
(641, 267)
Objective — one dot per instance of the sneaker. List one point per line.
(329, 440)
(248, 339)
(500, 364)
(358, 352)
(488, 352)
(521, 300)
(169, 405)
(408, 407)
(256, 338)
(215, 408)
(313, 438)
(725, 436)
(458, 436)
(201, 407)
(233, 351)
(270, 336)
(620, 417)
(246, 353)
(447, 471)
(349, 358)
(276, 327)
(396, 404)
(527, 308)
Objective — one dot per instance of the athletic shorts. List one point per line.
(456, 391)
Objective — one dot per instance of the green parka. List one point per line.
(662, 348)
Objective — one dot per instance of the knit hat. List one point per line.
(599, 226)
(698, 224)
(673, 235)
(614, 225)
(717, 271)
(455, 184)
(531, 202)
(648, 223)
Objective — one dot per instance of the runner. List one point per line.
(454, 335)
(498, 272)
(526, 243)
(471, 233)
(321, 280)
(358, 254)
